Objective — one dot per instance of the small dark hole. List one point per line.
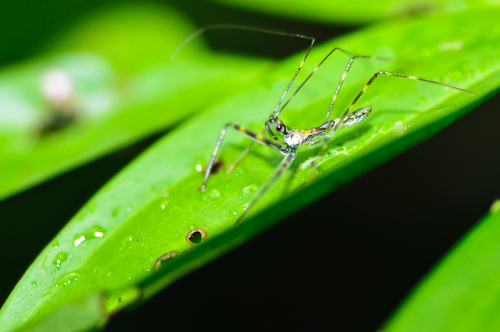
(196, 236)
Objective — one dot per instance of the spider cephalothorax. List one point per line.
(274, 124)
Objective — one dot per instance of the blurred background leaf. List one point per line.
(356, 12)
(111, 76)
(462, 292)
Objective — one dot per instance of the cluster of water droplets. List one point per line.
(95, 232)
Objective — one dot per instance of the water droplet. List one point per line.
(92, 207)
(130, 239)
(79, 240)
(399, 129)
(92, 233)
(67, 278)
(214, 194)
(33, 283)
(163, 204)
(41, 272)
(451, 45)
(456, 75)
(116, 211)
(60, 258)
(247, 190)
(129, 208)
(53, 272)
(45, 260)
(199, 168)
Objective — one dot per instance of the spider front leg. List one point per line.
(259, 138)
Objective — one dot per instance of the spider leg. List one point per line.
(354, 57)
(283, 166)
(374, 77)
(345, 74)
(256, 137)
(241, 156)
(351, 119)
(259, 30)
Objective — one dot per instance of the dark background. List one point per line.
(348, 273)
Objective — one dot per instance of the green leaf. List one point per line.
(125, 88)
(151, 207)
(462, 293)
(354, 12)
(82, 314)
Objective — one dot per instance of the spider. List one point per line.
(291, 140)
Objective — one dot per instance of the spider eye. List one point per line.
(279, 127)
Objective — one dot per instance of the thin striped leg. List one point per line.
(269, 32)
(276, 114)
(259, 138)
(242, 154)
(283, 166)
(345, 74)
(348, 110)
(349, 64)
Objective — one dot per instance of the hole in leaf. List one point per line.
(196, 236)
(164, 257)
